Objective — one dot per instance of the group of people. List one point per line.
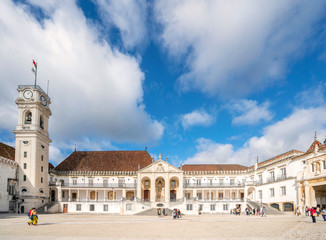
(315, 212)
(250, 211)
(176, 213)
(33, 218)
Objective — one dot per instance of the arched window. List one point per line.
(41, 122)
(28, 117)
(41, 190)
(24, 190)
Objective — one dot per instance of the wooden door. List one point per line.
(52, 195)
(146, 195)
(65, 208)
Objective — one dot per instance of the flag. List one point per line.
(35, 64)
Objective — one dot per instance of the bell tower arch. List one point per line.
(32, 146)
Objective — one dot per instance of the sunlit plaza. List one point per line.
(71, 226)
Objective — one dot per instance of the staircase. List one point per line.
(153, 212)
(47, 205)
(269, 209)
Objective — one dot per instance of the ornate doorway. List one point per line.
(160, 188)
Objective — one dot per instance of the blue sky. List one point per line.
(198, 81)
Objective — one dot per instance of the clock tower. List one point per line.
(32, 146)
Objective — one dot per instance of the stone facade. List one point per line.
(129, 182)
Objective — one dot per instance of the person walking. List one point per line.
(33, 218)
(174, 214)
(323, 213)
(264, 212)
(313, 214)
(307, 211)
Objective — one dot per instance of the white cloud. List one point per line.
(96, 90)
(250, 112)
(129, 16)
(196, 118)
(293, 132)
(232, 48)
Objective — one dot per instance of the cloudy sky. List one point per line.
(198, 81)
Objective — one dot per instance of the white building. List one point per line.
(129, 182)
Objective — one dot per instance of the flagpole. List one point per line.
(35, 76)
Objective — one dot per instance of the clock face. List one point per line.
(43, 100)
(28, 94)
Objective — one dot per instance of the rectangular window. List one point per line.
(41, 168)
(283, 172)
(221, 181)
(199, 196)
(260, 192)
(212, 207)
(189, 207)
(312, 167)
(220, 195)
(187, 195)
(74, 182)
(90, 181)
(271, 175)
(24, 178)
(78, 207)
(225, 207)
(128, 207)
(200, 207)
(198, 182)
(25, 154)
(232, 182)
(105, 182)
(187, 182)
(324, 164)
(233, 195)
(42, 158)
(260, 179)
(283, 190)
(92, 207)
(41, 179)
(106, 208)
(271, 190)
(210, 182)
(25, 165)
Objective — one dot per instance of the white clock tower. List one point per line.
(32, 146)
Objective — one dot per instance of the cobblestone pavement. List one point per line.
(70, 227)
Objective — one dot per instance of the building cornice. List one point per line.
(93, 173)
(8, 161)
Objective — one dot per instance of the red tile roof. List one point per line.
(312, 146)
(105, 161)
(213, 167)
(7, 151)
(281, 156)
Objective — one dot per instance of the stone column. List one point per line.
(194, 193)
(167, 189)
(69, 196)
(124, 193)
(223, 194)
(307, 194)
(139, 186)
(153, 189)
(87, 195)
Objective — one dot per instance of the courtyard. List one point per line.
(69, 227)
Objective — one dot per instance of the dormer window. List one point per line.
(28, 118)
(41, 122)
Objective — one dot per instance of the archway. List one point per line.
(146, 189)
(52, 195)
(288, 207)
(22, 209)
(160, 189)
(174, 185)
(275, 205)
